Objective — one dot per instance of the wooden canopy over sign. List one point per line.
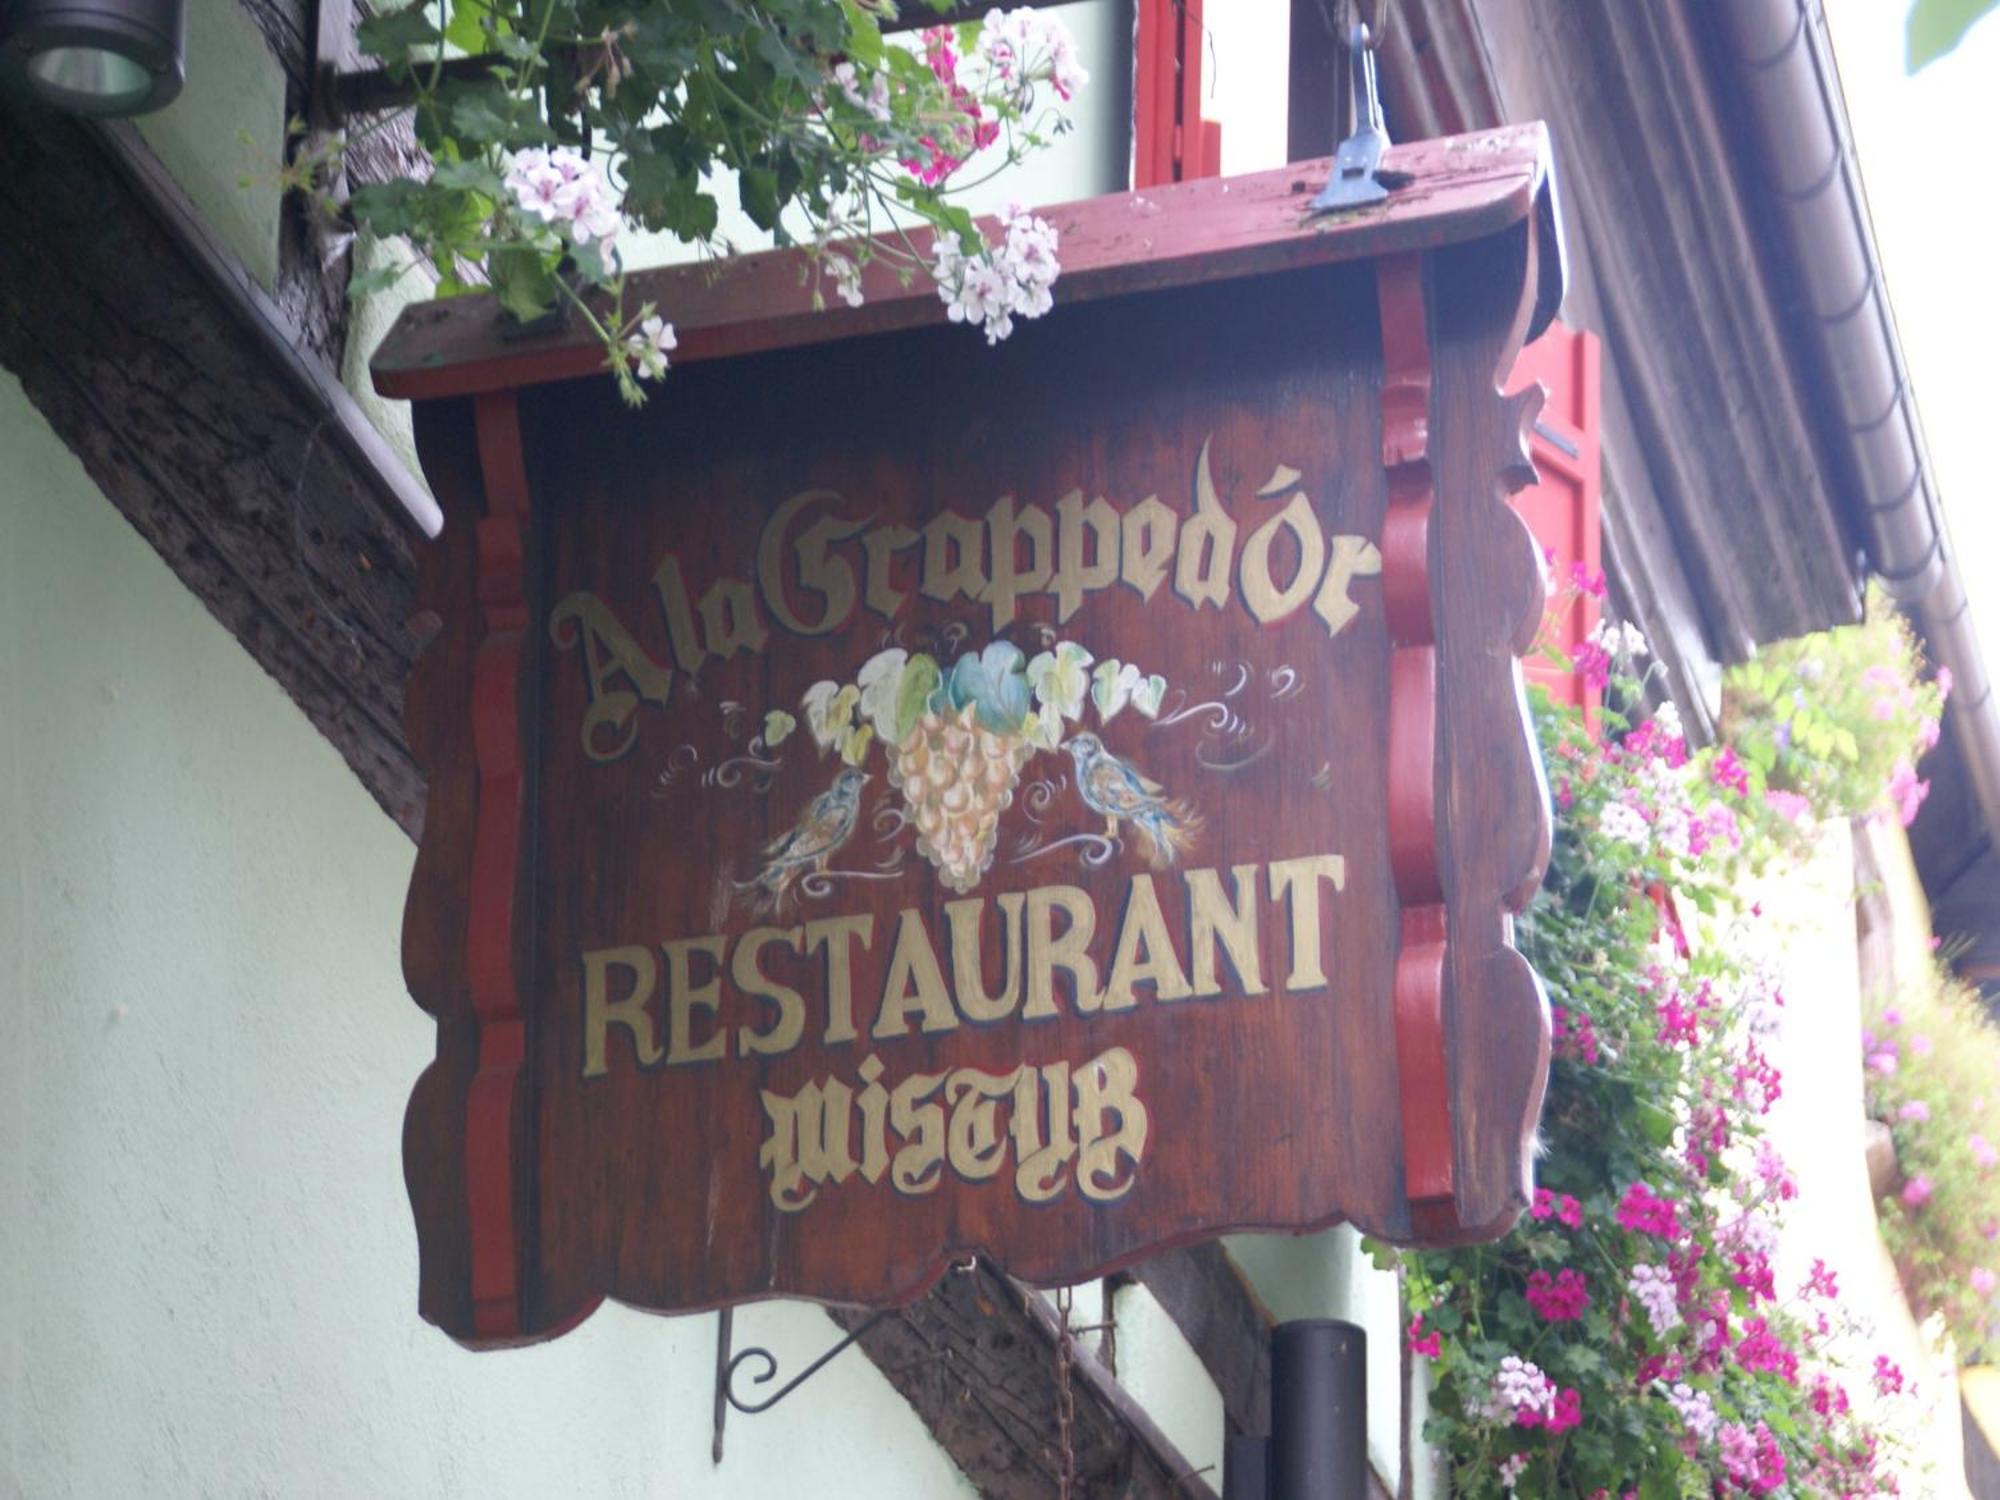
(895, 799)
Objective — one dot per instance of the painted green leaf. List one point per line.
(1937, 26)
(920, 680)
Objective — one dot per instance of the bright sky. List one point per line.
(1923, 144)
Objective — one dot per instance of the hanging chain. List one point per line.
(1065, 1400)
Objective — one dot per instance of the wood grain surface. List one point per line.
(626, 1105)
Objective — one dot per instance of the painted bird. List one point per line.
(826, 824)
(1117, 790)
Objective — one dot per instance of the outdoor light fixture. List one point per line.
(95, 57)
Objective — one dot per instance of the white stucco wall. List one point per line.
(1818, 1126)
(207, 1269)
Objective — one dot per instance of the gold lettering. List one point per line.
(1207, 544)
(874, 1100)
(751, 979)
(1150, 532)
(952, 562)
(919, 1166)
(915, 985)
(1266, 602)
(838, 935)
(808, 1141)
(1070, 952)
(829, 577)
(609, 653)
(1297, 882)
(1353, 557)
(729, 619)
(881, 545)
(1010, 580)
(968, 976)
(689, 653)
(1212, 917)
(1145, 952)
(1073, 576)
(975, 1148)
(1038, 1170)
(683, 995)
(601, 1013)
(1108, 1082)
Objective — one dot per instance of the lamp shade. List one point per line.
(95, 57)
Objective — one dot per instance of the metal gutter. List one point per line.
(1794, 109)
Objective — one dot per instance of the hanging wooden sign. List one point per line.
(893, 798)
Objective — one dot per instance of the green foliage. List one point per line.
(639, 105)
(1933, 1054)
(1838, 719)
(1937, 26)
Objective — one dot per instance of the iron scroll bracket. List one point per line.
(729, 1360)
(757, 1352)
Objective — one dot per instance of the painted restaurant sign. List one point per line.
(894, 799)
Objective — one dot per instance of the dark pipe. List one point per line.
(1246, 1468)
(1319, 1411)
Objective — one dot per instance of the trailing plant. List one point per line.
(1835, 722)
(1635, 1335)
(1932, 1055)
(587, 119)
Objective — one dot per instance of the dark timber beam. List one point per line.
(979, 1361)
(244, 471)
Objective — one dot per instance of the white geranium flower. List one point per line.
(650, 346)
(846, 276)
(881, 679)
(1003, 282)
(1022, 46)
(1061, 678)
(1625, 824)
(565, 191)
(874, 103)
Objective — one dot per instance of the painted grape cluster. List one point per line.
(958, 738)
(957, 777)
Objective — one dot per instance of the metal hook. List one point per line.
(1357, 159)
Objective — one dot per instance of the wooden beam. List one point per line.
(978, 1361)
(1316, 81)
(236, 463)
